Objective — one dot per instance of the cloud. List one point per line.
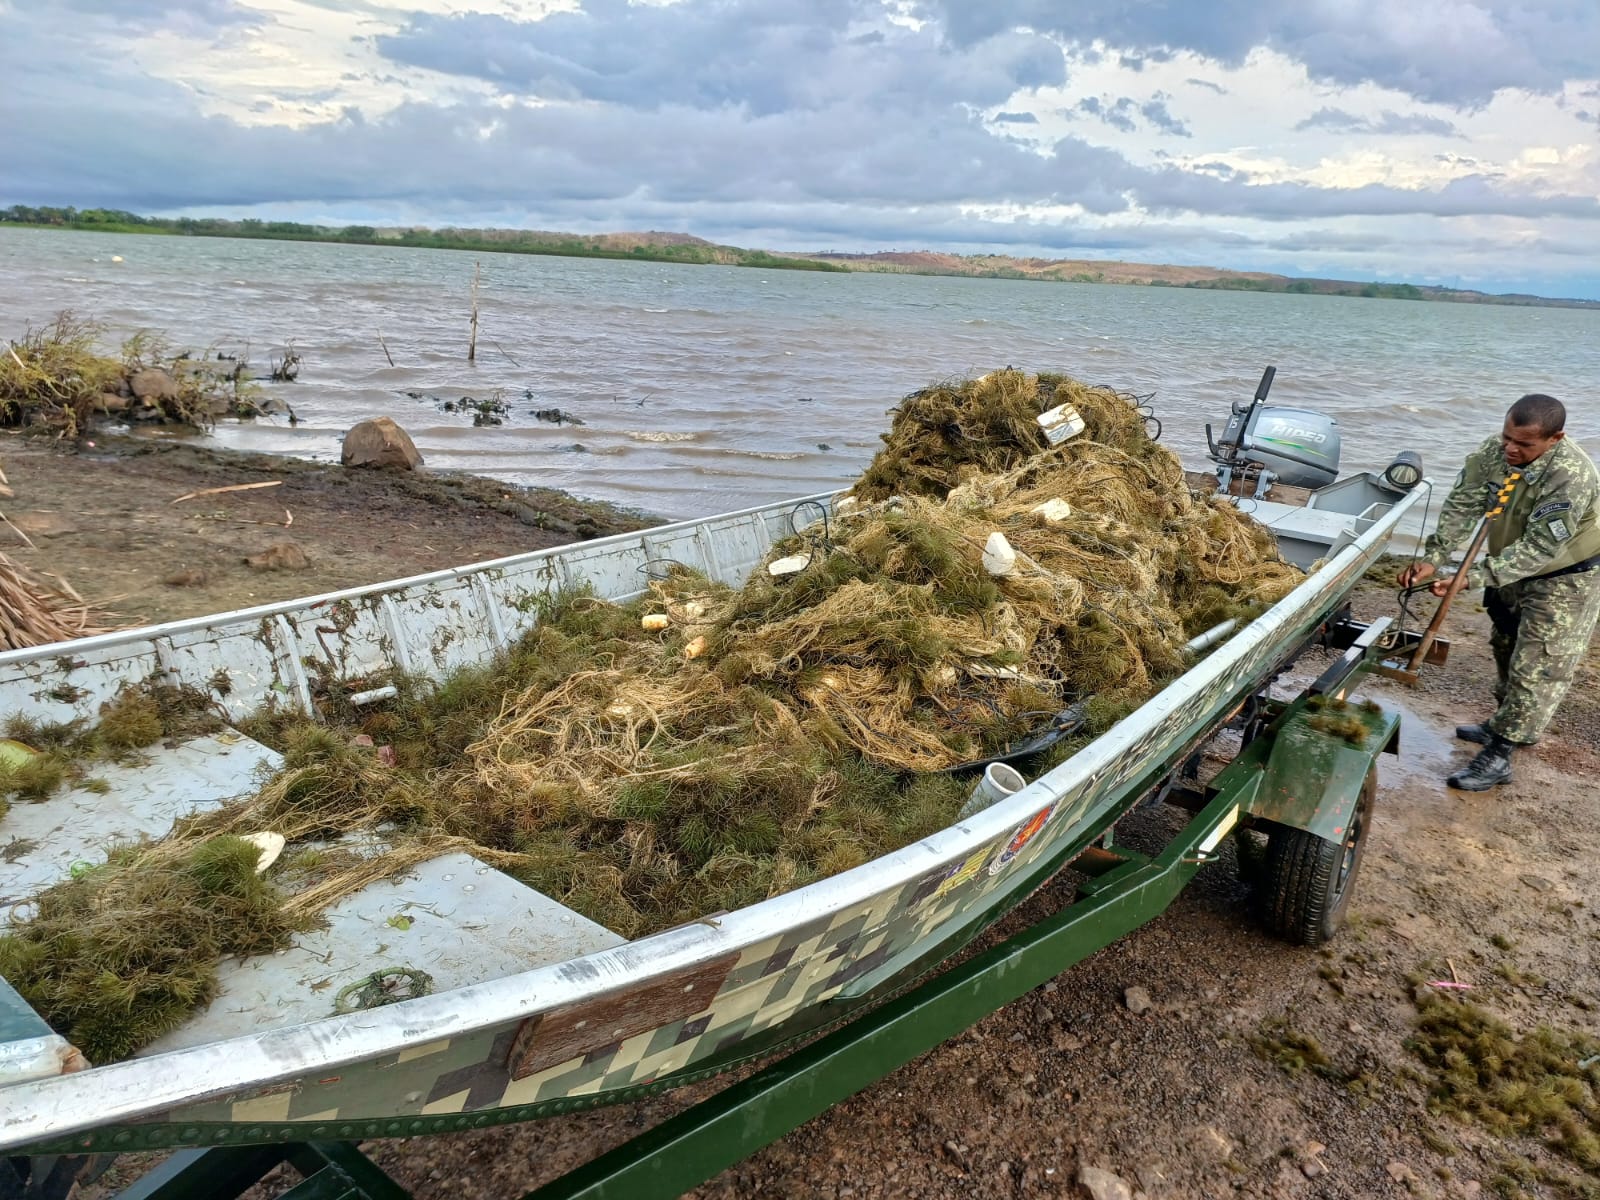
(563, 162)
(763, 57)
(1118, 115)
(1457, 52)
(787, 124)
(1155, 111)
(182, 15)
(1338, 120)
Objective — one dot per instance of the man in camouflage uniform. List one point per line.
(1540, 578)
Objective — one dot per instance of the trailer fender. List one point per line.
(1318, 762)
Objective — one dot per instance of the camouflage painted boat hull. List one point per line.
(635, 1017)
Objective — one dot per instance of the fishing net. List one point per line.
(705, 747)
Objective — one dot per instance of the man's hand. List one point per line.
(1416, 573)
(1440, 586)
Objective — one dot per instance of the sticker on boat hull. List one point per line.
(962, 872)
(1028, 831)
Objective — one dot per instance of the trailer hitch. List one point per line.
(1396, 651)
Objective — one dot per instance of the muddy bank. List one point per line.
(103, 518)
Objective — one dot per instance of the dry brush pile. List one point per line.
(704, 747)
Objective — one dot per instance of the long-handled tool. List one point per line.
(1480, 535)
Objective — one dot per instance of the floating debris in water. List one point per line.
(556, 416)
(491, 411)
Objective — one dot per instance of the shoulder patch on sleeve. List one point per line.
(1558, 529)
(1550, 509)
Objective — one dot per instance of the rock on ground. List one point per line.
(285, 555)
(153, 384)
(1103, 1185)
(379, 443)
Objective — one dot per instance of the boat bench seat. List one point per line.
(442, 924)
(42, 842)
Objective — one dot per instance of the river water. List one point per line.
(703, 389)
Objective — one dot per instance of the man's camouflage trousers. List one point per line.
(1542, 629)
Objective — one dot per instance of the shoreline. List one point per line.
(687, 250)
(104, 515)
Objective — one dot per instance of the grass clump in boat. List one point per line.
(48, 756)
(121, 955)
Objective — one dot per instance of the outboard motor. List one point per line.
(1292, 446)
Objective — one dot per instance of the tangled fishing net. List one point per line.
(895, 638)
(705, 747)
(715, 746)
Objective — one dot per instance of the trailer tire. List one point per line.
(1308, 881)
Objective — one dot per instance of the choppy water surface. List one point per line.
(704, 389)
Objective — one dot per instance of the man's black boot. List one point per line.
(1490, 768)
(1473, 733)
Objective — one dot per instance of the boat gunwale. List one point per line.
(159, 1084)
(243, 616)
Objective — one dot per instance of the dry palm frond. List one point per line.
(36, 611)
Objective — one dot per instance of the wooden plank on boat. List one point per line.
(581, 1029)
(1278, 493)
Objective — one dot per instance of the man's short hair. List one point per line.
(1546, 413)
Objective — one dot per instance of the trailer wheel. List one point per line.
(1308, 881)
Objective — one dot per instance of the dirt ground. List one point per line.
(1194, 1097)
(106, 519)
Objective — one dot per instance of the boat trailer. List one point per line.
(1310, 791)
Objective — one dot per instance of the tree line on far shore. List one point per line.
(651, 247)
(685, 248)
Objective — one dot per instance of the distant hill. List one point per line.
(659, 246)
(645, 247)
(1083, 270)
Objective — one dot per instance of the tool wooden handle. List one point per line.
(1430, 634)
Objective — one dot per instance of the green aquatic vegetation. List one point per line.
(1542, 1083)
(123, 953)
(736, 744)
(131, 721)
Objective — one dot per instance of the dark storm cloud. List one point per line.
(554, 162)
(764, 57)
(1457, 52)
(1387, 122)
(801, 132)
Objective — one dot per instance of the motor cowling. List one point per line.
(1300, 447)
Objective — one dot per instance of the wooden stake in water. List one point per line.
(472, 344)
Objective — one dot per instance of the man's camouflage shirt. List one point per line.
(1549, 521)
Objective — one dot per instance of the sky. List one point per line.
(1452, 142)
